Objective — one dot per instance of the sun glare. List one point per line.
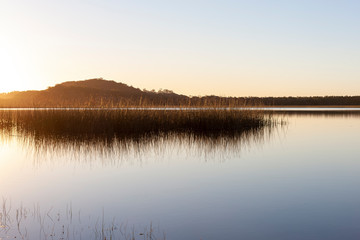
(12, 71)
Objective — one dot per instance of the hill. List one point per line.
(104, 93)
(90, 93)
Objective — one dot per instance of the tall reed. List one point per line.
(129, 122)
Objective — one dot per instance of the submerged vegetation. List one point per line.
(30, 223)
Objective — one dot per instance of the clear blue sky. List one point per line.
(228, 48)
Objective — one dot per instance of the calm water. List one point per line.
(296, 181)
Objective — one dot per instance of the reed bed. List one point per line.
(115, 136)
(124, 123)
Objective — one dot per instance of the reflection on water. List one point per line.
(116, 151)
(297, 180)
(87, 136)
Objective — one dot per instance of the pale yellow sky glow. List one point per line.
(227, 48)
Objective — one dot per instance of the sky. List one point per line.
(197, 47)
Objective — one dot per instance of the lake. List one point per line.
(296, 180)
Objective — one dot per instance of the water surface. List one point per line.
(295, 181)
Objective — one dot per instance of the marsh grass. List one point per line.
(129, 123)
(110, 136)
(35, 223)
(85, 124)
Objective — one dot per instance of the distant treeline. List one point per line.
(278, 101)
(102, 93)
(308, 101)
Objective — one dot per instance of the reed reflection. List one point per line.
(115, 136)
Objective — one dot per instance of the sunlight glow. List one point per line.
(12, 77)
